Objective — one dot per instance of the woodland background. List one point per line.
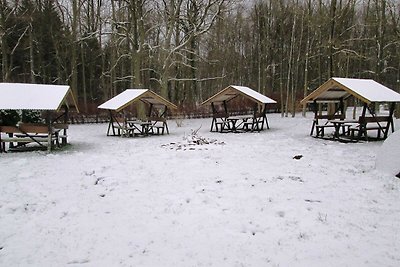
(187, 50)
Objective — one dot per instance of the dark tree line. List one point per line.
(187, 50)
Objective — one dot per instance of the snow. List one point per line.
(370, 90)
(254, 94)
(32, 96)
(122, 99)
(341, 88)
(128, 96)
(238, 200)
(232, 91)
(388, 159)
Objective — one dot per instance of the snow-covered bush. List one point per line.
(9, 117)
(32, 116)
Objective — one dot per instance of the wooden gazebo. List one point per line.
(54, 101)
(335, 92)
(225, 122)
(121, 124)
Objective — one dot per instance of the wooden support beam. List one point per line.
(214, 111)
(150, 109)
(225, 107)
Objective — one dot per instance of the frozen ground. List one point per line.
(241, 201)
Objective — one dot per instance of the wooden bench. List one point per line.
(158, 125)
(380, 124)
(136, 128)
(320, 129)
(220, 123)
(117, 126)
(61, 129)
(27, 133)
(256, 123)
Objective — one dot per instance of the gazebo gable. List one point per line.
(233, 91)
(130, 96)
(336, 89)
(23, 96)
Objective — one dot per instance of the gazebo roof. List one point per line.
(129, 96)
(233, 91)
(25, 96)
(366, 90)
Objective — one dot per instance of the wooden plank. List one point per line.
(9, 129)
(25, 139)
(61, 126)
(33, 128)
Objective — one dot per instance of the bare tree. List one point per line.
(172, 13)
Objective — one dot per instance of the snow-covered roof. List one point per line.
(129, 96)
(366, 90)
(233, 91)
(26, 96)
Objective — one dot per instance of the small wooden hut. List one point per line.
(121, 124)
(224, 121)
(53, 101)
(336, 93)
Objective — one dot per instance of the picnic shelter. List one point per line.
(224, 121)
(53, 102)
(336, 94)
(122, 124)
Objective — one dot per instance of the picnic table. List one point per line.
(223, 121)
(44, 136)
(380, 124)
(237, 123)
(137, 127)
(343, 125)
(355, 130)
(241, 123)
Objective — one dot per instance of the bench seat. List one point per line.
(27, 133)
(321, 129)
(24, 139)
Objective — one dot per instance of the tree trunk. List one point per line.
(137, 39)
(74, 59)
(290, 67)
(308, 48)
(331, 37)
(31, 56)
(4, 44)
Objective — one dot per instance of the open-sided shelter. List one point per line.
(152, 125)
(224, 122)
(337, 91)
(54, 102)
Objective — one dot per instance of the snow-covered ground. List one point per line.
(242, 200)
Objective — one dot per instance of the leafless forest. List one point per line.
(187, 50)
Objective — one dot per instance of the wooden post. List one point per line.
(163, 115)
(66, 115)
(320, 108)
(49, 131)
(225, 107)
(255, 109)
(264, 115)
(110, 124)
(390, 124)
(362, 122)
(214, 111)
(165, 121)
(315, 121)
(150, 109)
(342, 110)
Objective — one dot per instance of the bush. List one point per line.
(9, 117)
(31, 116)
